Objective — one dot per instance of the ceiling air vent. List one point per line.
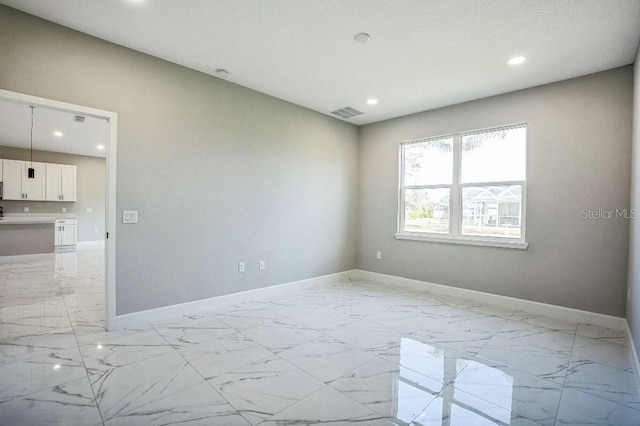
(346, 112)
(78, 119)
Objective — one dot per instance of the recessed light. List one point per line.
(372, 101)
(362, 38)
(101, 147)
(99, 346)
(56, 367)
(517, 60)
(58, 134)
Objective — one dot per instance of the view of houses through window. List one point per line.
(466, 185)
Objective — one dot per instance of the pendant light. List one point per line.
(32, 171)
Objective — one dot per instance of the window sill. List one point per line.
(519, 245)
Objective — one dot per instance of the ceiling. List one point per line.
(422, 54)
(77, 138)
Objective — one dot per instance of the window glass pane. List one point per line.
(493, 156)
(426, 210)
(492, 211)
(428, 163)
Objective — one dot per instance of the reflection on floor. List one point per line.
(344, 353)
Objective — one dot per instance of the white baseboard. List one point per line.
(165, 313)
(86, 244)
(545, 309)
(634, 355)
(137, 319)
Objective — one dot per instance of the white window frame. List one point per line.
(455, 235)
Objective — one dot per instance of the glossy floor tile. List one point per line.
(344, 353)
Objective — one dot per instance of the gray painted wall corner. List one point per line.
(219, 173)
(578, 150)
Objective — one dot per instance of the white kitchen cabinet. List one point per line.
(68, 183)
(60, 182)
(52, 185)
(12, 180)
(52, 182)
(16, 183)
(66, 232)
(33, 188)
(0, 169)
(69, 235)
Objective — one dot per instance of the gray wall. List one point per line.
(218, 173)
(633, 303)
(579, 147)
(90, 190)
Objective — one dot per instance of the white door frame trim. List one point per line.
(110, 214)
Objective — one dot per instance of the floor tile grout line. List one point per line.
(198, 373)
(59, 384)
(374, 355)
(39, 390)
(618, 403)
(477, 356)
(523, 371)
(497, 405)
(361, 403)
(280, 358)
(147, 359)
(325, 385)
(263, 359)
(95, 398)
(564, 382)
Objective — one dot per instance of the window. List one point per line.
(467, 188)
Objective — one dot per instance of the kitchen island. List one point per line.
(27, 235)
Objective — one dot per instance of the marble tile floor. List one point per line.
(335, 354)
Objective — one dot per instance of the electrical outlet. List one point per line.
(262, 265)
(379, 255)
(89, 210)
(25, 209)
(241, 267)
(64, 210)
(96, 231)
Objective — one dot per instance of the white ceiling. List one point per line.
(423, 54)
(77, 138)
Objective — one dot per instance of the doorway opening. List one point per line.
(67, 143)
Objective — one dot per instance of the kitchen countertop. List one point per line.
(34, 218)
(26, 221)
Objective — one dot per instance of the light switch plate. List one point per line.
(89, 210)
(64, 210)
(130, 216)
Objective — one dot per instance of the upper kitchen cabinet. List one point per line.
(16, 182)
(60, 182)
(12, 180)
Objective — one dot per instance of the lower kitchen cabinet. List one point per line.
(66, 232)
